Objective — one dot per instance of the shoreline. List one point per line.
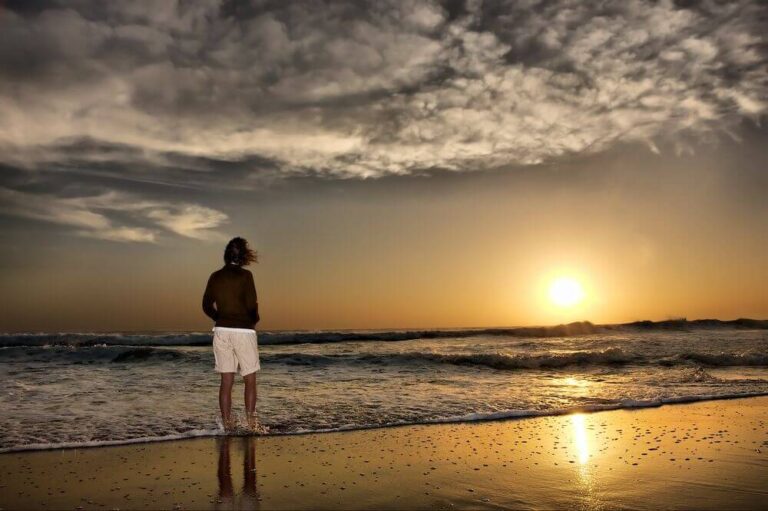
(706, 455)
(467, 419)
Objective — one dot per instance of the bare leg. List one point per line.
(250, 397)
(225, 398)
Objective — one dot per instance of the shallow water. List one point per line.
(86, 389)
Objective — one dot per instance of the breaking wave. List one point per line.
(300, 337)
(498, 361)
(295, 337)
(501, 361)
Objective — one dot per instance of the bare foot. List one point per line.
(255, 426)
(230, 425)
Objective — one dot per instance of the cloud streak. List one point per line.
(116, 216)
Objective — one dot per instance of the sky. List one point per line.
(396, 164)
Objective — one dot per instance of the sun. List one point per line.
(566, 292)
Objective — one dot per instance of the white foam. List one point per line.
(105, 443)
(469, 418)
(625, 404)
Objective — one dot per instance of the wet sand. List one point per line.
(708, 455)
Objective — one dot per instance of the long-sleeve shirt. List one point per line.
(232, 290)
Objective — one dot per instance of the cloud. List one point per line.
(108, 215)
(362, 89)
(188, 220)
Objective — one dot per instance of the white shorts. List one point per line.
(233, 347)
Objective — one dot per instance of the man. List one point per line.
(232, 290)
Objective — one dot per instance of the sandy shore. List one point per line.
(708, 455)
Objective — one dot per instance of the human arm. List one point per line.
(208, 301)
(251, 300)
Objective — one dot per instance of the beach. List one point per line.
(384, 255)
(703, 455)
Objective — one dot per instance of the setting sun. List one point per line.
(565, 292)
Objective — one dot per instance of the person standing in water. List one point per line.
(236, 312)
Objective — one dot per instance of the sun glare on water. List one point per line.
(565, 292)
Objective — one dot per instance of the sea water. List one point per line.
(82, 389)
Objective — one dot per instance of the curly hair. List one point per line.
(238, 252)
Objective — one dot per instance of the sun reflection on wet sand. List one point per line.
(580, 437)
(590, 498)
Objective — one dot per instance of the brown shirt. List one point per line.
(232, 289)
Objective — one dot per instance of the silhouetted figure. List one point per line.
(236, 312)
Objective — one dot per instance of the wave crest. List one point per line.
(494, 360)
(267, 338)
(300, 337)
(504, 361)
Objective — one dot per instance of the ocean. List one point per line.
(84, 389)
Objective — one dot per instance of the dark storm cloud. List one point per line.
(227, 94)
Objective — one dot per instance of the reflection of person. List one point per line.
(250, 494)
(250, 491)
(224, 473)
(232, 290)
